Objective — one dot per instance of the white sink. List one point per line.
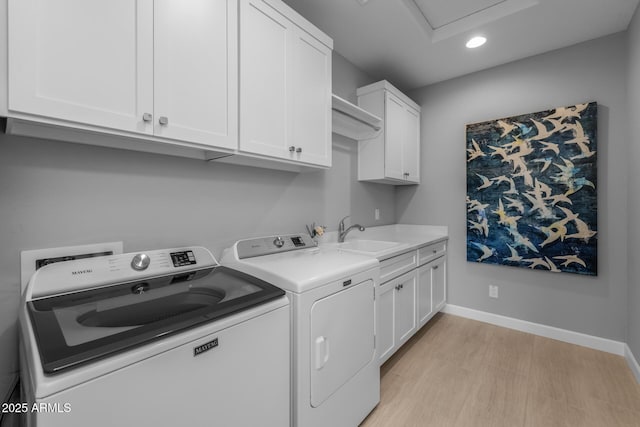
(371, 246)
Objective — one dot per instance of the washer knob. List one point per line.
(140, 262)
(279, 242)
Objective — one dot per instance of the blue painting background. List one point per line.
(531, 190)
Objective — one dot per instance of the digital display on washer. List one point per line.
(297, 241)
(180, 259)
(82, 327)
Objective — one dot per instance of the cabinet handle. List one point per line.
(435, 267)
(435, 250)
(163, 121)
(292, 148)
(147, 117)
(298, 150)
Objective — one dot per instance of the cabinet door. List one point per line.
(88, 62)
(265, 39)
(311, 99)
(395, 123)
(411, 145)
(385, 321)
(424, 297)
(195, 79)
(439, 282)
(405, 325)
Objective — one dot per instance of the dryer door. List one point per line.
(342, 339)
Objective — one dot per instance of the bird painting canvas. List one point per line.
(532, 190)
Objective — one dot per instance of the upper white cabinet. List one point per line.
(285, 85)
(82, 61)
(196, 71)
(393, 156)
(166, 68)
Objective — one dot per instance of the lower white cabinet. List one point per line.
(431, 295)
(396, 319)
(413, 290)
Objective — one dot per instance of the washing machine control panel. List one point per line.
(273, 245)
(180, 259)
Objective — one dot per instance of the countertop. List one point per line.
(409, 237)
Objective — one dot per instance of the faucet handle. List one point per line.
(342, 220)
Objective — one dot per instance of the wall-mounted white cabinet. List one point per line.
(163, 76)
(285, 85)
(393, 156)
(163, 68)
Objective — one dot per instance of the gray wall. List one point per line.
(633, 338)
(59, 194)
(592, 71)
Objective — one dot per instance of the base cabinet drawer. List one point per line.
(431, 252)
(393, 267)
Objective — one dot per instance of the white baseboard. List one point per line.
(597, 343)
(632, 361)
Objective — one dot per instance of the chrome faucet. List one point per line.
(342, 233)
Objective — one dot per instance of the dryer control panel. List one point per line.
(273, 244)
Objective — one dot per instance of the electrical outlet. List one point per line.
(493, 291)
(377, 214)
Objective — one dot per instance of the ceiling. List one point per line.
(413, 43)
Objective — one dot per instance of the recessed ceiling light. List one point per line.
(476, 42)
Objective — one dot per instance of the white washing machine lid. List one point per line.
(299, 270)
(120, 307)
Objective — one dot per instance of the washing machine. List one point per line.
(335, 377)
(160, 338)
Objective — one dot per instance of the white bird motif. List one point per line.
(512, 185)
(543, 132)
(486, 183)
(550, 146)
(500, 151)
(520, 241)
(571, 259)
(534, 262)
(564, 113)
(475, 205)
(506, 127)
(537, 201)
(515, 257)
(580, 139)
(552, 266)
(558, 198)
(482, 226)
(504, 219)
(547, 163)
(517, 204)
(583, 230)
(474, 152)
(486, 251)
(557, 230)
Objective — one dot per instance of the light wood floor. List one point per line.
(459, 372)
